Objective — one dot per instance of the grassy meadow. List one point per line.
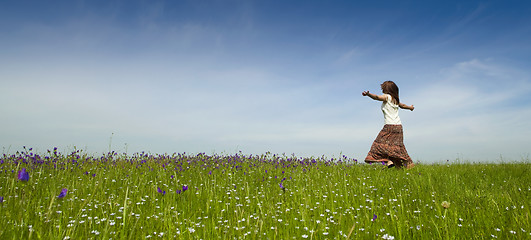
(182, 196)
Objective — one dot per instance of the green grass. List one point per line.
(239, 197)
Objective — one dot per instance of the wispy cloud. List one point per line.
(471, 110)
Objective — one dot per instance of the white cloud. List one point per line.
(467, 114)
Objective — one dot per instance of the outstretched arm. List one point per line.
(404, 106)
(374, 96)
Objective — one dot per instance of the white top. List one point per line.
(390, 111)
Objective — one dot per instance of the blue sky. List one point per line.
(258, 76)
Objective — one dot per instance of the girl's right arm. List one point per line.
(404, 106)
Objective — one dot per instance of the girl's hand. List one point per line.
(412, 108)
(365, 93)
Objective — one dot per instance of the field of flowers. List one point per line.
(183, 196)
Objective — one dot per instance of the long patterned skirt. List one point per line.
(389, 146)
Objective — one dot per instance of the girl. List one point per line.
(389, 145)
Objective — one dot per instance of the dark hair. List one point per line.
(391, 88)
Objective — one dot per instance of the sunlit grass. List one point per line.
(266, 196)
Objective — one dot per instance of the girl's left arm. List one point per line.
(404, 106)
(374, 96)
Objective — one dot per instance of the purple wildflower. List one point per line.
(374, 217)
(178, 191)
(63, 193)
(1, 199)
(172, 176)
(160, 191)
(282, 186)
(185, 188)
(23, 175)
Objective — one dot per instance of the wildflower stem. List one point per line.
(50, 207)
(351, 229)
(125, 206)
